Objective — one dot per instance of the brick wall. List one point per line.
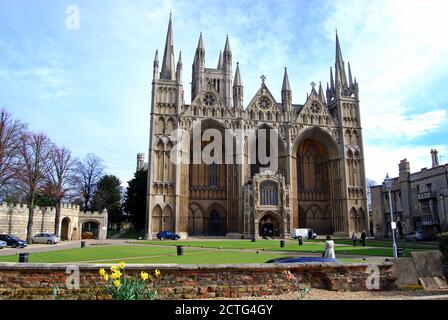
(35, 281)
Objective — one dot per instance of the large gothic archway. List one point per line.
(269, 226)
(316, 187)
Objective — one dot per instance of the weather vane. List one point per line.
(263, 78)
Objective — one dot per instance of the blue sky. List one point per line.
(89, 89)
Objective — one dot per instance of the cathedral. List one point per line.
(319, 181)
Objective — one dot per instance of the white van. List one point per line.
(296, 233)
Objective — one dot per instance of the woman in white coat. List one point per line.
(329, 249)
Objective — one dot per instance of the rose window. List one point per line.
(209, 99)
(264, 103)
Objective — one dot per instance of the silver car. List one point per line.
(2, 244)
(47, 238)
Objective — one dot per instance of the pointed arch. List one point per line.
(156, 224)
(168, 219)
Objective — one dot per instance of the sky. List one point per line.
(89, 88)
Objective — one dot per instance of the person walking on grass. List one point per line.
(354, 239)
(329, 249)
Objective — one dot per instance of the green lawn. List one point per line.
(316, 246)
(384, 244)
(143, 254)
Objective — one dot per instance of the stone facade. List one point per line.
(419, 200)
(14, 220)
(320, 179)
(33, 281)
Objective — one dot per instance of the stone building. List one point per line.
(419, 200)
(74, 224)
(320, 179)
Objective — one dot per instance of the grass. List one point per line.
(143, 254)
(384, 244)
(315, 246)
(129, 234)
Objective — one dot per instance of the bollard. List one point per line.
(83, 244)
(300, 241)
(254, 239)
(23, 257)
(400, 252)
(180, 250)
(282, 243)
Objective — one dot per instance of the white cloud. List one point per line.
(382, 159)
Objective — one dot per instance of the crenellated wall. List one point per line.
(14, 220)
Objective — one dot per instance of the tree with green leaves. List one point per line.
(108, 196)
(135, 198)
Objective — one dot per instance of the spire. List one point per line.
(199, 58)
(321, 93)
(238, 90)
(179, 69)
(227, 46)
(238, 82)
(331, 79)
(220, 61)
(286, 86)
(156, 66)
(350, 79)
(168, 69)
(339, 65)
(227, 56)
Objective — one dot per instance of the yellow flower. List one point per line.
(102, 272)
(144, 275)
(157, 273)
(121, 265)
(114, 268)
(106, 277)
(117, 283)
(116, 274)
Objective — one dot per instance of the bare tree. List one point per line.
(34, 153)
(10, 133)
(60, 178)
(89, 172)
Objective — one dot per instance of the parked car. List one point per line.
(47, 238)
(2, 244)
(417, 235)
(13, 241)
(168, 235)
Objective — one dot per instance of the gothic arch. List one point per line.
(168, 219)
(156, 219)
(195, 220)
(215, 223)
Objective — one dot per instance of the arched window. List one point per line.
(269, 194)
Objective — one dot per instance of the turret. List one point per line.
(238, 90)
(156, 67)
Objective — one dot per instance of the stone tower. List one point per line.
(319, 182)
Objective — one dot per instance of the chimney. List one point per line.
(435, 158)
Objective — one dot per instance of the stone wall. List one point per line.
(35, 281)
(14, 220)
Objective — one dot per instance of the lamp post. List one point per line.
(388, 182)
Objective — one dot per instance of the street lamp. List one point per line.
(388, 183)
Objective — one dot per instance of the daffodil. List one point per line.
(102, 272)
(121, 265)
(116, 275)
(114, 268)
(106, 277)
(117, 283)
(157, 273)
(144, 275)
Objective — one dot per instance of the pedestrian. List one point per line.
(354, 238)
(363, 238)
(329, 249)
